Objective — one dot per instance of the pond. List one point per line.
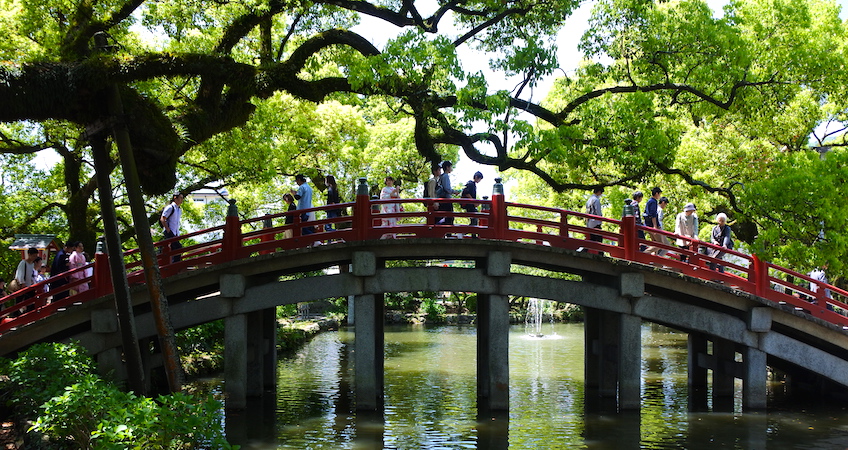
(430, 400)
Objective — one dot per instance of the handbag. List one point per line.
(14, 286)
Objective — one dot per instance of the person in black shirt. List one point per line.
(59, 266)
(470, 191)
(289, 199)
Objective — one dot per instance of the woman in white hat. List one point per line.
(686, 225)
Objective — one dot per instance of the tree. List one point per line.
(656, 72)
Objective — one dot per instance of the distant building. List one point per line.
(206, 196)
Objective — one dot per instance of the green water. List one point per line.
(430, 400)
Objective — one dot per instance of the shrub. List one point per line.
(96, 415)
(42, 372)
(434, 310)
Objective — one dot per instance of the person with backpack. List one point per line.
(470, 191)
(170, 221)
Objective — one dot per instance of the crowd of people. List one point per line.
(686, 226)
(33, 270)
(439, 186)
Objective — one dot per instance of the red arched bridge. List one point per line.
(752, 311)
(497, 220)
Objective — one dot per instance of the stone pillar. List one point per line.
(724, 355)
(109, 364)
(493, 352)
(235, 361)
(630, 362)
(697, 373)
(755, 378)
(754, 363)
(609, 354)
(351, 315)
(368, 352)
(269, 343)
(592, 352)
(255, 370)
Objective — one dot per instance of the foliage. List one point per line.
(241, 94)
(406, 301)
(96, 415)
(201, 348)
(292, 335)
(56, 384)
(434, 310)
(42, 372)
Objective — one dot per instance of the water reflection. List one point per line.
(430, 401)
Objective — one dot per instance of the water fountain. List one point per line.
(533, 319)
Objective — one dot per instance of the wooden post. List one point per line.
(629, 238)
(152, 276)
(267, 237)
(499, 217)
(102, 283)
(231, 242)
(563, 224)
(362, 211)
(759, 273)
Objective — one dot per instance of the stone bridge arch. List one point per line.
(616, 294)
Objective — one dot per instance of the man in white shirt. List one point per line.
(819, 275)
(170, 221)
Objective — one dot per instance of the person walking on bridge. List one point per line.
(170, 220)
(389, 191)
(290, 208)
(75, 261)
(686, 225)
(593, 207)
(303, 195)
(720, 236)
(637, 211)
(26, 269)
(444, 190)
(653, 219)
(332, 198)
(470, 191)
(819, 277)
(59, 266)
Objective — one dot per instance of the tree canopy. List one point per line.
(719, 105)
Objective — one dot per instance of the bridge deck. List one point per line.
(497, 220)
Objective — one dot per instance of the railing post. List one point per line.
(563, 224)
(499, 218)
(267, 237)
(628, 233)
(362, 210)
(102, 276)
(231, 242)
(485, 208)
(760, 276)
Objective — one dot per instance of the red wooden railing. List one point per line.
(497, 220)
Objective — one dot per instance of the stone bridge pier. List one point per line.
(615, 307)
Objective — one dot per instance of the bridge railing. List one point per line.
(493, 219)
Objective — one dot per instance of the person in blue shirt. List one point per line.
(651, 209)
(652, 219)
(303, 195)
